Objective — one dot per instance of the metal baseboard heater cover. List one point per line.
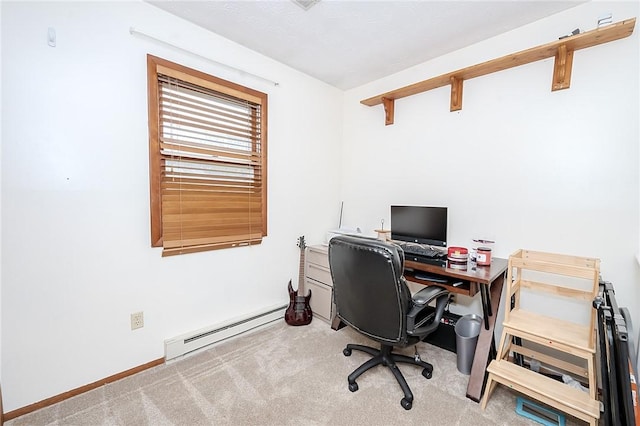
(189, 342)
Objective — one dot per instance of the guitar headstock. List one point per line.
(301, 243)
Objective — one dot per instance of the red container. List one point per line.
(483, 256)
(457, 257)
(457, 253)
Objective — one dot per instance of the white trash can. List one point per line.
(467, 332)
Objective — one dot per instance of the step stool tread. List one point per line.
(551, 329)
(550, 391)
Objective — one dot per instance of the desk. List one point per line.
(487, 280)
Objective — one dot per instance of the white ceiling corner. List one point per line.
(350, 43)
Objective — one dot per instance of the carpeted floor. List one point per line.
(283, 375)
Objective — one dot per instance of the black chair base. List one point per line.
(386, 357)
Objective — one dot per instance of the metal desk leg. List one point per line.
(489, 308)
(485, 349)
(486, 304)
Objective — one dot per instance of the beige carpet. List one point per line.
(283, 375)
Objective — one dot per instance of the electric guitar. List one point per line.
(299, 312)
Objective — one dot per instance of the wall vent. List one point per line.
(189, 342)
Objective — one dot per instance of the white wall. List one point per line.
(527, 167)
(1, 407)
(76, 255)
(520, 164)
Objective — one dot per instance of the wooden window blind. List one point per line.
(207, 152)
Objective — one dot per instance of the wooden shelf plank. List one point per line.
(562, 69)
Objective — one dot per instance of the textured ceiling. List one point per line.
(350, 43)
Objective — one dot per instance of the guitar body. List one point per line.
(299, 311)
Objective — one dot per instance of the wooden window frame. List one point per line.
(158, 66)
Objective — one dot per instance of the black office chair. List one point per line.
(371, 296)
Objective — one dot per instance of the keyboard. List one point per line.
(420, 250)
(427, 260)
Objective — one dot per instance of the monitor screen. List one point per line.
(418, 224)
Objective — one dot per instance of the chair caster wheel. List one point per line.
(353, 387)
(346, 352)
(427, 373)
(406, 404)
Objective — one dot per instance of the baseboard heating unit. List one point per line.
(189, 342)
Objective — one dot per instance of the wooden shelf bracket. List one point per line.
(562, 68)
(456, 94)
(561, 49)
(388, 104)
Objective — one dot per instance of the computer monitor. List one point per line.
(419, 224)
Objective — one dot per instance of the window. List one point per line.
(208, 157)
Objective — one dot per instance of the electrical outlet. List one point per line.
(137, 320)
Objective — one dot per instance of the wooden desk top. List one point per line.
(474, 276)
(478, 274)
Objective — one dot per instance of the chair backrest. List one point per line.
(369, 290)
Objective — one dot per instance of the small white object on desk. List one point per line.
(383, 234)
(343, 231)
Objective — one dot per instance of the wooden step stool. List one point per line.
(566, 345)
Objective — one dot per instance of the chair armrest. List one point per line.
(422, 325)
(427, 294)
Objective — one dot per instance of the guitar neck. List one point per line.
(301, 274)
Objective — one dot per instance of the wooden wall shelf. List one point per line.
(561, 49)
